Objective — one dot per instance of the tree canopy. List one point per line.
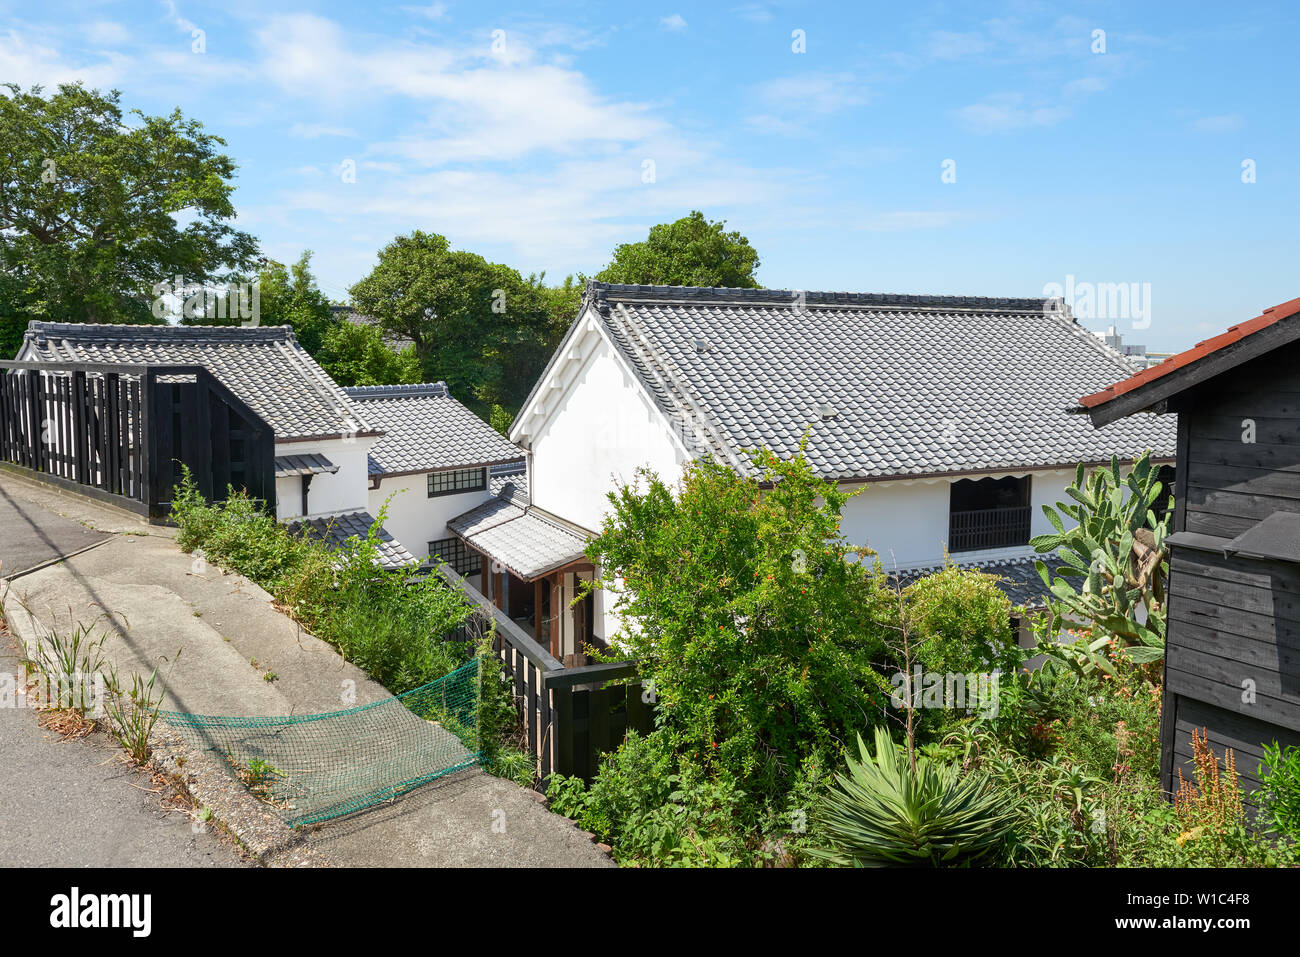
(689, 252)
(96, 208)
(477, 325)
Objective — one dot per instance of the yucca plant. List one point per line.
(884, 814)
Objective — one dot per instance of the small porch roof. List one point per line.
(336, 529)
(312, 463)
(527, 541)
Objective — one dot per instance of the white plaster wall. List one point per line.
(343, 491)
(907, 521)
(599, 432)
(414, 519)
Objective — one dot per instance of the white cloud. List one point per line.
(1006, 112)
(27, 61)
(107, 33)
(434, 11)
(674, 22)
(787, 104)
(1218, 124)
(311, 131)
(476, 107)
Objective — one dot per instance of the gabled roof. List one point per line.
(1274, 327)
(262, 365)
(887, 385)
(427, 430)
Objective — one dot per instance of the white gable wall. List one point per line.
(906, 521)
(343, 491)
(599, 428)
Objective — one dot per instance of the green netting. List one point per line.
(314, 767)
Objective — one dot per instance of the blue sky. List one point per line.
(530, 145)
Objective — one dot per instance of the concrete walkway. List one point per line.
(152, 599)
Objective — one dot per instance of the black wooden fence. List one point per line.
(570, 716)
(119, 433)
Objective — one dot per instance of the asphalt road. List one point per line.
(78, 804)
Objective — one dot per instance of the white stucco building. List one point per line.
(949, 412)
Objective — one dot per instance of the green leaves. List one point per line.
(689, 252)
(882, 814)
(91, 204)
(1117, 546)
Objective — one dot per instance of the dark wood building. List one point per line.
(1232, 661)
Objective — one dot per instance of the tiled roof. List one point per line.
(264, 366)
(311, 464)
(426, 430)
(886, 385)
(512, 473)
(337, 529)
(1018, 577)
(1269, 317)
(528, 541)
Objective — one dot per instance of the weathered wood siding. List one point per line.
(1233, 652)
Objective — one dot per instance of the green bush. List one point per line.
(1279, 790)
(390, 623)
(887, 813)
(654, 810)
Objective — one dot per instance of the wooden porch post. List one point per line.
(537, 610)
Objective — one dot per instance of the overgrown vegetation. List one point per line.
(1112, 538)
(771, 644)
(388, 622)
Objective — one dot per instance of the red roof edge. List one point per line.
(1196, 353)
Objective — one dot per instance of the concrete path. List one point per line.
(32, 535)
(241, 656)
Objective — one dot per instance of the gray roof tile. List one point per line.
(426, 430)
(1018, 577)
(335, 530)
(264, 366)
(528, 541)
(916, 384)
(312, 463)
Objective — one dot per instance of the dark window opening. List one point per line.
(457, 481)
(464, 561)
(1164, 500)
(988, 513)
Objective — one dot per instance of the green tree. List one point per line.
(356, 354)
(91, 206)
(755, 624)
(477, 325)
(287, 296)
(690, 252)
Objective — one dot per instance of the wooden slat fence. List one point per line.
(118, 432)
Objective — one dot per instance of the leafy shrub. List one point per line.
(389, 622)
(1279, 789)
(756, 632)
(654, 811)
(885, 812)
